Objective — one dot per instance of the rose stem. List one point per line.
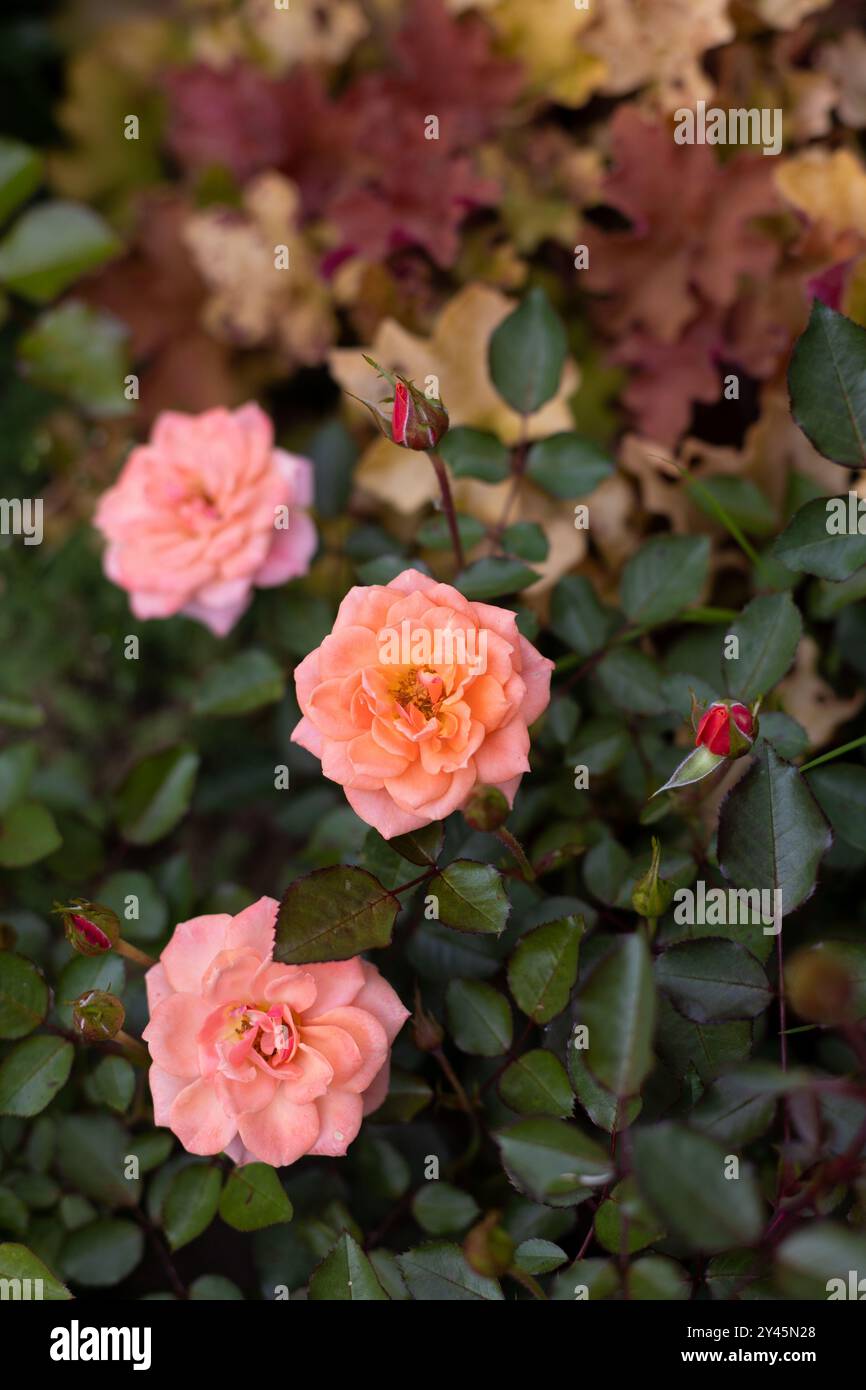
(448, 507)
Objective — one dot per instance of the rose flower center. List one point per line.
(268, 1029)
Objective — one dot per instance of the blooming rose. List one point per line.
(265, 1061)
(415, 697)
(205, 511)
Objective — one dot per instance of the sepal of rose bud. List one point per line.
(653, 895)
(427, 1033)
(90, 928)
(488, 1248)
(486, 808)
(694, 768)
(97, 1015)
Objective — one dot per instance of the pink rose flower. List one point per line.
(205, 511)
(415, 697)
(264, 1061)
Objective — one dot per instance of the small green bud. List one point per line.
(652, 895)
(97, 1015)
(486, 809)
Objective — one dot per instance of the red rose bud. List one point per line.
(727, 729)
(408, 418)
(97, 1015)
(90, 928)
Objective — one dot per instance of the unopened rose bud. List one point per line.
(727, 729)
(652, 895)
(489, 1249)
(97, 1015)
(90, 928)
(819, 985)
(409, 417)
(486, 809)
(427, 1033)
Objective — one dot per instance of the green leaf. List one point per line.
(435, 533)
(623, 1222)
(17, 765)
(682, 1176)
(253, 1198)
(28, 833)
(438, 1272)
(578, 618)
(567, 465)
(442, 1209)
(494, 576)
(132, 892)
(539, 1256)
(103, 1253)
(840, 790)
(601, 745)
(114, 1083)
(768, 629)
(51, 245)
(656, 1278)
(92, 1152)
(191, 1203)
(772, 832)
(32, 1074)
(346, 1275)
(333, 914)
(553, 1161)
(807, 546)
(79, 353)
(632, 681)
(420, 846)
(740, 498)
(536, 1084)
(479, 1018)
(407, 1096)
(526, 540)
(663, 577)
(527, 354)
(819, 1252)
(827, 381)
(733, 1111)
(471, 897)
(246, 682)
(214, 1288)
(543, 968)
(14, 1216)
(23, 996)
(604, 1109)
(617, 1004)
(713, 980)
(20, 173)
(474, 454)
(17, 1262)
(156, 795)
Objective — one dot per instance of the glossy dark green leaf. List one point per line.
(32, 1074)
(768, 630)
(479, 1018)
(438, 1272)
(664, 577)
(346, 1275)
(113, 1083)
(539, 1256)
(527, 354)
(420, 846)
(827, 381)
(536, 1083)
(50, 246)
(475, 454)
(191, 1203)
(578, 617)
(656, 1279)
(603, 1108)
(17, 765)
(333, 914)
(732, 1111)
(93, 1152)
(494, 576)
(435, 533)
(617, 1004)
(772, 832)
(471, 897)
(713, 980)
(442, 1209)
(23, 996)
(681, 1175)
(632, 681)
(28, 833)
(553, 1161)
(246, 682)
(543, 968)
(816, 1262)
(527, 541)
(17, 1262)
(156, 794)
(740, 499)
(103, 1253)
(567, 465)
(80, 353)
(808, 546)
(624, 1223)
(840, 790)
(253, 1198)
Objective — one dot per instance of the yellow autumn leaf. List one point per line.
(827, 186)
(546, 40)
